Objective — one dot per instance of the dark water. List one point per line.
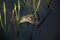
(49, 30)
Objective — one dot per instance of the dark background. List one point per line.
(49, 30)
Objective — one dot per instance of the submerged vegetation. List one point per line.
(16, 11)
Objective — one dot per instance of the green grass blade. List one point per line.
(16, 11)
(49, 3)
(15, 6)
(38, 5)
(34, 4)
(18, 5)
(18, 8)
(4, 8)
(2, 23)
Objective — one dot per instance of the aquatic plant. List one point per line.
(31, 18)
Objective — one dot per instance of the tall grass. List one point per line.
(16, 11)
(50, 5)
(38, 6)
(4, 9)
(1, 23)
(18, 8)
(35, 8)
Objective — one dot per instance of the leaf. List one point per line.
(18, 8)
(38, 5)
(4, 8)
(16, 11)
(18, 5)
(1, 23)
(50, 5)
(14, 6)
(34, 4)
